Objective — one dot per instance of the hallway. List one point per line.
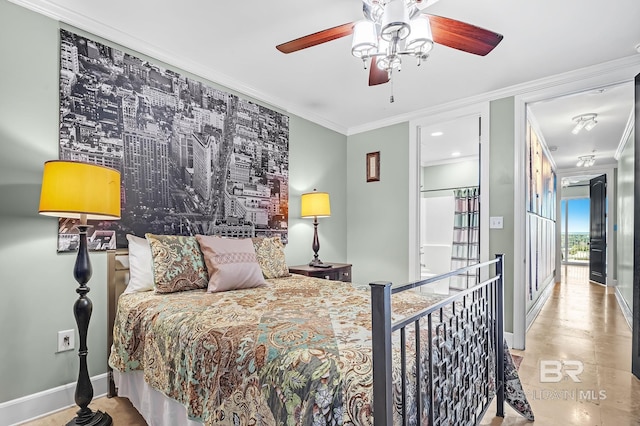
(581, 325)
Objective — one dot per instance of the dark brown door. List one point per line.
(598, 230)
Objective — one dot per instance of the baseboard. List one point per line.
(31, 407)
(537, 306)
(626, 310)
(509, 339)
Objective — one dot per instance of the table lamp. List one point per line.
(76, 190)
(315, 204)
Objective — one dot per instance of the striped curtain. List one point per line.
(465, 249)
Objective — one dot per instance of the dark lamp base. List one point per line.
(97, 419)
(316, 262)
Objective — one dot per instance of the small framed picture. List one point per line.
(373, 166)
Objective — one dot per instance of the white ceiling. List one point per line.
(553, 120)
(613, 106)
(450, 141)
(233, 43)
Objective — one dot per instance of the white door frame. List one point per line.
(565, 84)
(481, 110)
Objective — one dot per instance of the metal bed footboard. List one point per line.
(462, 364)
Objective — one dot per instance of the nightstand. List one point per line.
(337, 271)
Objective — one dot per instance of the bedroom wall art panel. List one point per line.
(194, 159)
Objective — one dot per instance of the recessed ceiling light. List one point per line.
(455, 154)
(437, 134)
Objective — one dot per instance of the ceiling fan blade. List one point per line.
(462, 36)
(316, 38)
(376, 75)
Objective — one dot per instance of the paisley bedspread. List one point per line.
(296, 352)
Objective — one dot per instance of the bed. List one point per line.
(301, 350)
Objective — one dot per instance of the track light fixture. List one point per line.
(584, 121)
(586, 161)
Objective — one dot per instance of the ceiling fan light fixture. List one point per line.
(365, 39)
(420, 39)
(389, 62)
(395, 21)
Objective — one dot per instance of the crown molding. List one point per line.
(606, 73)
(615, 71)
(136, 45)
(628, 129)
(454, 160)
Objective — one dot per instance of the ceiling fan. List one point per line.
(393, 29)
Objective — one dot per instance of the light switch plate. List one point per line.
(496, 222)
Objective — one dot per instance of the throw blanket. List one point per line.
(297, 351)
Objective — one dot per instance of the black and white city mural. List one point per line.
(193, 159)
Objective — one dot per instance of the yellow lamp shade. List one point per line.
(315, 204)
(72, 189)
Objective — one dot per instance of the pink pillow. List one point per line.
(231, 263)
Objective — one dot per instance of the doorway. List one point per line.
(574, 233)
(434, 178)
(449, 200)
(556, 113)
(447, 178)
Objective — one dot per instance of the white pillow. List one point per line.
(140, 265)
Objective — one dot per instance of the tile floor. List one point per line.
(580, 322)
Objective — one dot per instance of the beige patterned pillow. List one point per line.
(231, 263)
(178, 264)
(270, 253)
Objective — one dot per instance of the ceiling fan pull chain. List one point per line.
(391, 97)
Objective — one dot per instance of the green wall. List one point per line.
(38, 289)
(501, 193)
(378, 212)
(317, 159)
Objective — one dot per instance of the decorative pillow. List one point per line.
(178, 264)
(270, 253)
(140, 266)
(231, 263)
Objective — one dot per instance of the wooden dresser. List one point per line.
(337, 271)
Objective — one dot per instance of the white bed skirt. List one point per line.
(156, 408)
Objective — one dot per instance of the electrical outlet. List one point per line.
(66, 340)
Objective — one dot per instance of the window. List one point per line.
(575, 230)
